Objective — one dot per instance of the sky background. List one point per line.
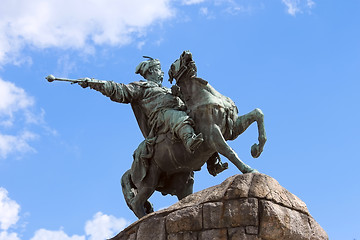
(63, 149)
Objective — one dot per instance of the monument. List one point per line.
(185, 127)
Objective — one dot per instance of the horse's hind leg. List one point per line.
(244, 121)
(224, 149)
(184, 184)
(140, 204)
(130, 191)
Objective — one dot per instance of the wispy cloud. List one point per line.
(192, 2)
(16, 143)
(298, 6)
(69, 24)
(43, 234)
(210, 9)
(65, 65)
(140, 44)
(17, 113)
(310, 3)
(204, 11)
(12, 100)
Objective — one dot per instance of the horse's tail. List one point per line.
(130, 190)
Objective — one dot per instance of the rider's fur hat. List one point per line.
(144, 66)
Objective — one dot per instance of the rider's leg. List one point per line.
(191, 141)
(244, 121)
(181, 125)
(223, 148)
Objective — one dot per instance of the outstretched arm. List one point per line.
(118, 92)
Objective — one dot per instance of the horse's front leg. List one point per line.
(244, 121)
(220, 145)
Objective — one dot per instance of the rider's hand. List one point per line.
(175, 90)
(85, 83)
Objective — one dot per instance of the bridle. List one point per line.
(183, 68)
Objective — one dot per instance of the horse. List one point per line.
(170, 167)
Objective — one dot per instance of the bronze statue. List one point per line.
(183, 129)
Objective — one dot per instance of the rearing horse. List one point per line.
(170, 168)
(215, 115)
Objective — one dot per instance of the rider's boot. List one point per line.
(190, 139)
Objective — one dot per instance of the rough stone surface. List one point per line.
(213, 234)
(240, 233)
(252, 230)
(186, 219)
(155, 230)
(183, 236)
(247, 207)
(279, 222)
(132, 237)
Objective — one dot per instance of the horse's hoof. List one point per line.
(255, 151)
(254, 171)
(218, 168)
(148, 207)
(249, 169)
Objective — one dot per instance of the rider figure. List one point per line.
(156, 109)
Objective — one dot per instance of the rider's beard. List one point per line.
(156, 79)
(160, 78)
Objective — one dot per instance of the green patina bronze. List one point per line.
(183, 127)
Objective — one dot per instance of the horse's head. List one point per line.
(183, 67)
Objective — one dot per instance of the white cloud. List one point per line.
(100, 227)
(140, 45)
(310, 3)
(104, 226)
(297, 6)
(65, 65)
(204, 11)
(14, 101)
(9, 215)
(291, 5)
(191, 2)
(43, 234)
(16, 143)
(8, 236)
(227, 7)
(69, 24)
(9, 210)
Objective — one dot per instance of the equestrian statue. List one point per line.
(183, 127)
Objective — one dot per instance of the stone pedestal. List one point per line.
(243, 207)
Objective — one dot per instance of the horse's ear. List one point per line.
(171, 77)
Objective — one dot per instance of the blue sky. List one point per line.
(63, 149)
